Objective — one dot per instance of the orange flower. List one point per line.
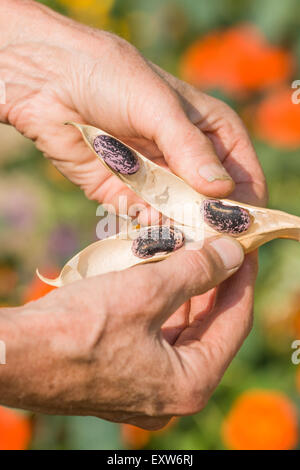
(261, 420)
(297, 323)
(137, 438)
(238, 61)
(277, 119)
(15, 430)
(38, 288)
(134, 437)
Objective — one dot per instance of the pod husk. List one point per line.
(175, 199)
(163, 190)
(111, 254)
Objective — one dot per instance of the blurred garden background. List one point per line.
(247, 53)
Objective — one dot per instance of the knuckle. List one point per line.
(20, 114)
(142, 294)
(117, 45)
(191, 400)
(232, 122)
(227, 112)
(193, 137)
(150, 424)
(149, 288)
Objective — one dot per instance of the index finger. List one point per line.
(232, 144)
(229, 136)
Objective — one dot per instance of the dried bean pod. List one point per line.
(116, 155)
(157, 239)
(224, 218)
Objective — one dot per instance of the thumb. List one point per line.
(190, 154)
(189, 273)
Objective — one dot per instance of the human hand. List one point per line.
(96, 347)
(94, 77)
(56, 70)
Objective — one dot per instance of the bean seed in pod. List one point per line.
(225, 218)
(157, 239)
(116, 155)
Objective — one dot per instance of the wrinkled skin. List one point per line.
(99, 352)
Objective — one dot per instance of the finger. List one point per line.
(238, 155)
(229, 136)
(150, 216)
(203, 305)
(150, 424)
(209, 346)
(176, 323)
(97, 183)
(189, 153)
(200, 305)
(197, 271)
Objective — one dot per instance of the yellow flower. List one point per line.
(92, 12)
(101, 7)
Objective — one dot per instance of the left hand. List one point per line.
(75, 73)
(57, 70)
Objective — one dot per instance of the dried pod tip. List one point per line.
(116, 155)
(225, 218)
(157, 240)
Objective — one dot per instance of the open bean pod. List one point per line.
(173, 197)
(195, 216)
(126, 249)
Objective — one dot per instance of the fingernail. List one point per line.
(212, 172)
(229, 250)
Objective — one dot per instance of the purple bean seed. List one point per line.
(157, 240)
(116, 155)
(225, 218)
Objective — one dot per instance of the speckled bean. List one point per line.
(116, 155)
(225, 218)
(157, 240)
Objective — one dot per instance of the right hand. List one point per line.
(97, 347)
